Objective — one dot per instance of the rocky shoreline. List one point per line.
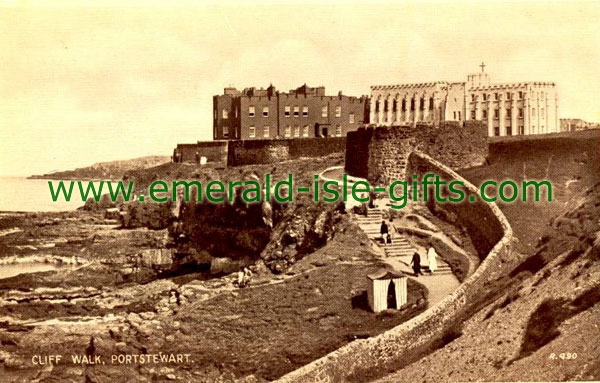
(98, 302)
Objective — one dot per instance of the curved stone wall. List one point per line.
(377, 356)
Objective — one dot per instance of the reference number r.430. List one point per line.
(563, 356)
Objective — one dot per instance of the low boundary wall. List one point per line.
(377, 356)
(214, 151)
(251, 152)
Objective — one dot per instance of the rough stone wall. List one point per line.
(248, 152)
(214, 151)
(402, 345)
(380, 154)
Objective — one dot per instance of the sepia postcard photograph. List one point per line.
(299, 191)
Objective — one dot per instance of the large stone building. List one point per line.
(302, 112)
(507, 109)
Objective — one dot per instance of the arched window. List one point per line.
(394, 105)
(385, 105)
(377, 106)
(404, 105)
(431, 103)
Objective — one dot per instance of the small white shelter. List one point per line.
(386, 289)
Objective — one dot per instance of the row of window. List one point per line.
(496, 96)
(521, 130)
(403, 105)
(508, 113)
(288, 131)
(287, 111)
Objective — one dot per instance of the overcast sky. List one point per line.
(83, 85)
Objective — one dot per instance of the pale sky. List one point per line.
(79, 85)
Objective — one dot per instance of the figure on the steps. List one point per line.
(432, 259)
(384, 231)
(371, 199)
(416, 264)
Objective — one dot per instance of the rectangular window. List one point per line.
(520, 112)
(431, 103)
(288, 131)
(225, 131)
(521, 130)
(484, 114)
(472, 115)
(266, 111)
(472, 97)
(496, 114)
(287, 111)
(324, 111)
(520, 95)
(305, 131)
(508, 95)
(508, 113)
(338, 111)
(252, 132)
(296, 111)
(459, 116)
(296, 131)
(305, 111)
(496, 130)
(251, 111)
(454, 114)
(266, 131)
(338, 130)
(495, 96)
(225, 114)
(509, 130)
(351, 118)
(484, 97)
(422, 104)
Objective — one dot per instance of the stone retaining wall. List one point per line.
(374, 357)
(249, 152)
(380, 154)
(214, 151)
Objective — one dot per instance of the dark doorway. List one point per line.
(391, 296)
(324, 132)
(317, 131)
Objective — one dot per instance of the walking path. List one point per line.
(399, 253)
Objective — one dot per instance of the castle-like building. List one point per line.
(507, 109)
(303, 112)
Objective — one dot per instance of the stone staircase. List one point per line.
(400, 248)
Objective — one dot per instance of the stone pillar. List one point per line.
(425, 107)
(372, 115)
(490, 118)
(501, 114)
(526, 112)
(407, 111)
(514, 114)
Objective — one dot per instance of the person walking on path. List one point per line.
(416, 264)
(384, 231)
(432, 259)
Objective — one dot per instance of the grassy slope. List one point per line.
(112, 170)
(514, 333)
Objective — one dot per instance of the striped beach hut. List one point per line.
(386, 289)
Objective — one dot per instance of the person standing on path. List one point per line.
(384, 231)
(432, 259)
(416, 264)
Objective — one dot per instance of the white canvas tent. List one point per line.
(386, 288)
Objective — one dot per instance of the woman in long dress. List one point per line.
(432, 259)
